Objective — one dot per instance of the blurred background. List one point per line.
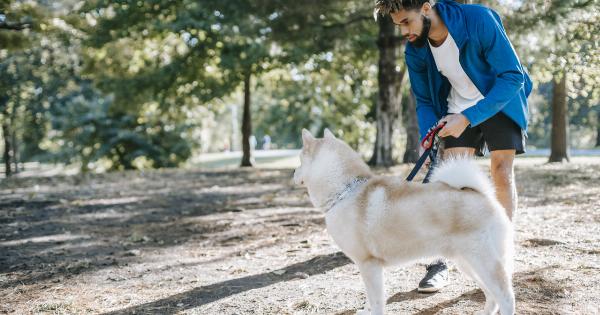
(95, 86)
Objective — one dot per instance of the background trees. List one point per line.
(559, 40)
(19, 22)
(136, 84)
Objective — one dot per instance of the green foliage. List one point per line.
(19, 20)
(128, 83)
(338, 97)
(90, 132)
(554, 38)
(211, 44)
(57, 115)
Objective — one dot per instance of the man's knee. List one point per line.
(503, 170)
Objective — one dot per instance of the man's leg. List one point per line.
(437, 271)
(459, 151)
(503, 175)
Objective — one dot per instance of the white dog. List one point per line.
(379, 221)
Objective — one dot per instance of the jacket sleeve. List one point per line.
(419, 82)
(503, 59)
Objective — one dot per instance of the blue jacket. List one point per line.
(487, 58)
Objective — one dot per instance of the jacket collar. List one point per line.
(452, 14)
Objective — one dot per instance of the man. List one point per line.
(464, 72)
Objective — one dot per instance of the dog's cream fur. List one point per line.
(388, 221)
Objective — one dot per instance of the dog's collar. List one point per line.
(339, 196)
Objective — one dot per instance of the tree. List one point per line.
(409, 113)
(598, 128)
(389, 101)
(15, 28)
(206, 49)
(559, 145)
(246, 122)
(224, 46)
(561, 40)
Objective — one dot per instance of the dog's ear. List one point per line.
(328, 134)
(307, 137)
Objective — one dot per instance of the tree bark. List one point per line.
(15, 150)
(4, 120)
(246, 123)
(598, 128)
(388, 103)
(13, 140)
(7, 147)
(411, 126)
(559, 135)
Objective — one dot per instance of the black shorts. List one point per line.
(497, 133)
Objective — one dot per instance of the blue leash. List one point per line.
(430, 152)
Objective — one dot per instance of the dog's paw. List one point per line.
(482, 312)
(363, 312)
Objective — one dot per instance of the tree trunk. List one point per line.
(7, 147)
(598, 128)
(409, 118)
(13, 142)
(4, 120)
(246, 123)
(15, 150)
(559, 146)
(388, 103)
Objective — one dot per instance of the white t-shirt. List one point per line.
(463, 93)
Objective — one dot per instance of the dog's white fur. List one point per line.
(388, 221)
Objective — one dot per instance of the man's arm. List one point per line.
(501, 56)
(419, 82)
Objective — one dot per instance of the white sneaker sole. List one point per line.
(428, 290)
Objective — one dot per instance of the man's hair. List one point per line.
(385, 7)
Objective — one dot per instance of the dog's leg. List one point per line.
(495, 278)
(491, 307)
(372, 274)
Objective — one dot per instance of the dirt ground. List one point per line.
(248, 242)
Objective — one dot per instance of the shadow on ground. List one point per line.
(530, 286)
(210, 293)
(78, 224)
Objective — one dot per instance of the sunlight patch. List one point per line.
(46, 238)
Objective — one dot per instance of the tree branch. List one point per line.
(350, 21)
(14, 26)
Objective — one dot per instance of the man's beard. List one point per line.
(422, 39)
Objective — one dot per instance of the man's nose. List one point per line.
(404, 31)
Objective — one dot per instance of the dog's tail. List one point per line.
(462, 172)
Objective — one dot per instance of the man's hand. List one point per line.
(455, 125)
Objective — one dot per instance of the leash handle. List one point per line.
(430, 151)
(427, 141)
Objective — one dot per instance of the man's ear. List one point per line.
(425, 9)
(328, 134)
(307, 137)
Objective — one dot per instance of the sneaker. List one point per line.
(435, 279)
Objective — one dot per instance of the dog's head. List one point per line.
(326, 157)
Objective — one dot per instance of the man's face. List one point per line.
(413, 25)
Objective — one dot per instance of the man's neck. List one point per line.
(438, 32)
